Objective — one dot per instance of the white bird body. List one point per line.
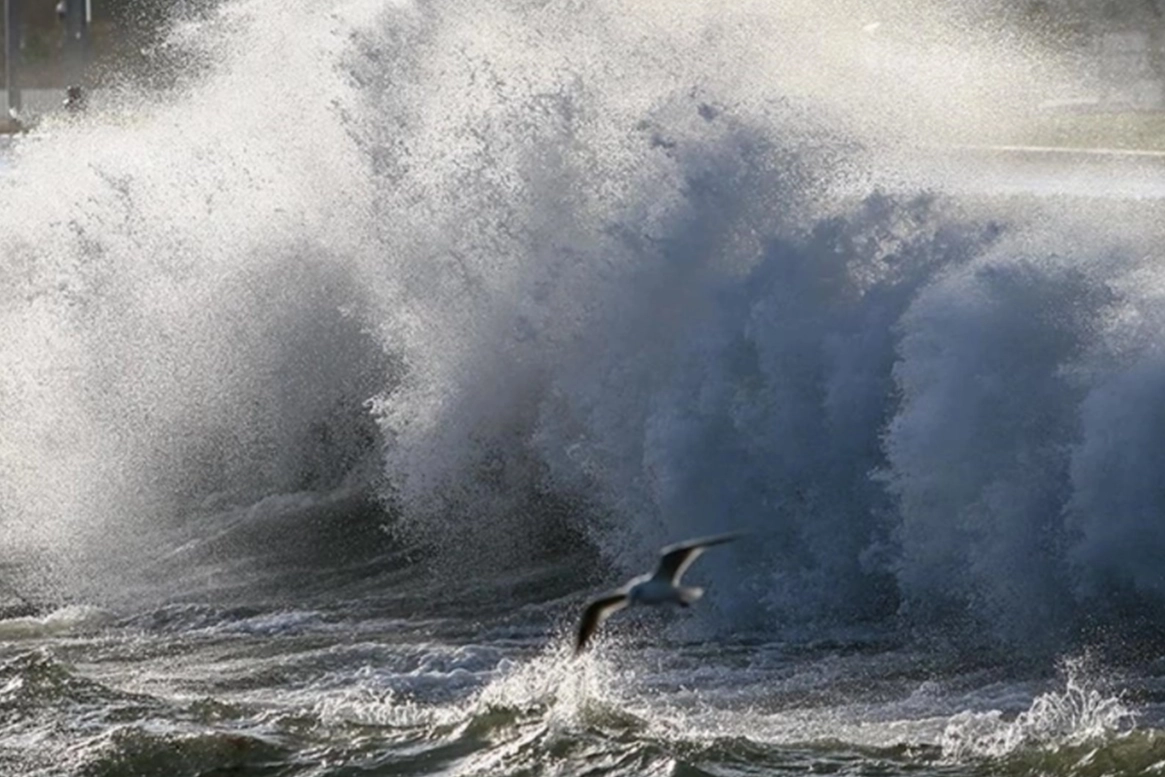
(651, 589)
(660, 587)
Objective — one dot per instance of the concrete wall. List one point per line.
(37, 102)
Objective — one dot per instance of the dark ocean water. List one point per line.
(338, 374)
(190, 689)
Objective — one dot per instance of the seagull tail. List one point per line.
(689, 595)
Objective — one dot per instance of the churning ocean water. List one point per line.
(336, 375)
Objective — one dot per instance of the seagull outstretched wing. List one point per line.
(595, 613)
(675, 559)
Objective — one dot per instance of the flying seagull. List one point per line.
(660, 587)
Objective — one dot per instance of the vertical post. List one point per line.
(76, 39)
(12, 57)
(86, 34)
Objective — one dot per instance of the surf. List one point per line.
(512, 289)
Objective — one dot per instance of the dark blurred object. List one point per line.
(77, 48)
(13, 44)
(75, 99)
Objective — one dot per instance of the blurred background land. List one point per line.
(49, 45)
(1114, 51)
(120, 34)
(1111, 54)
